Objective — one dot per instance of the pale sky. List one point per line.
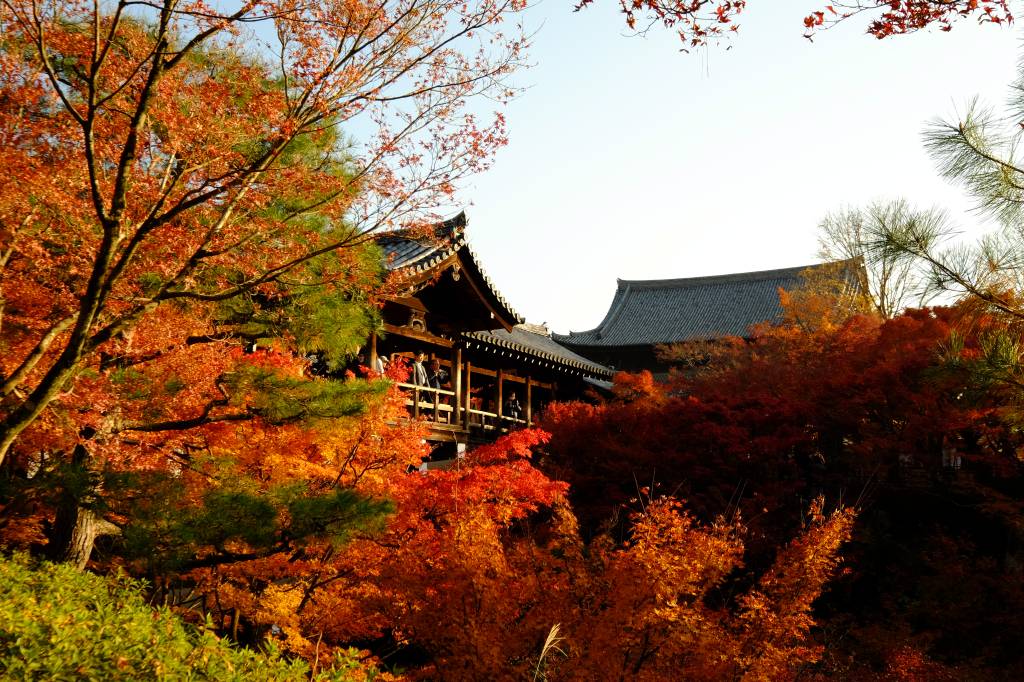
(630, 159)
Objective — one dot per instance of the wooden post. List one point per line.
(416, 403)
(457, 384)
(497, 409)
(469, 382)
(529, 401)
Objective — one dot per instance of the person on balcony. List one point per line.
(513, 410)
(437, 377)
(419, 371)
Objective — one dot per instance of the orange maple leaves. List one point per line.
(158, 161)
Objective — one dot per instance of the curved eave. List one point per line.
(455, 247)
(582, 366)
(576, 338)
(424, 267)
(504, 313)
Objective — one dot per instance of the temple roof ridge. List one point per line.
(716, 279)
(658, 311)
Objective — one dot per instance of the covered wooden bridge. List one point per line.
(484, 371)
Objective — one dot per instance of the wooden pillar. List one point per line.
(457, 384)
(498, 392)
(416, 403)
(529, 401)
(469, 382)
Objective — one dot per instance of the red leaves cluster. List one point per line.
(698, 22)
(703, 22)
(867, 410)
(898, 17)
(479, 562)
(766, 418)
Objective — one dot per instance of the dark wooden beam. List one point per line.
(469, 401)
(426, 337)
(499, 383)
(509, 377)
(456, 377)
(529, 401)
(410, 302)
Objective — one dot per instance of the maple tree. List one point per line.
(892, 414)
(899, 17)
(175, 197)
(244, 518)
(646, 610)
(698, 22)
(470, 568)
(702, 22)
(828, 295)
(762, 418)
(957, 560)
(160, 165)
(480, 561)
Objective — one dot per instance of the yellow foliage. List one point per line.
(828, 295)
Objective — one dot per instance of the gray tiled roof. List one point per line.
(646, 312)
(404, 252)
(531, 340)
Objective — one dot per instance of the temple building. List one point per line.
(482, 369)
(645, 314)
(477, 369)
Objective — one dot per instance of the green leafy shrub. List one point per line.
(59, 624)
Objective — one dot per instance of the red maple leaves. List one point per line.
(899, 17)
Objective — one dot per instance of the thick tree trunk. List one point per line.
(77, 524)
(76, 530)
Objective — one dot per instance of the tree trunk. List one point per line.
(77, 524)
(76, 530)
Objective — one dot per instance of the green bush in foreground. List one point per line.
(57, 623)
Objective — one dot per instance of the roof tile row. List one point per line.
(524, 339)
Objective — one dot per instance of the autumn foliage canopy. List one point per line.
(893, 417)
(188, 269)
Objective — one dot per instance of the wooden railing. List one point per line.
(430, 402)
(436, 405)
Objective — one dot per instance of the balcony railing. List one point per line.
(436, 405)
